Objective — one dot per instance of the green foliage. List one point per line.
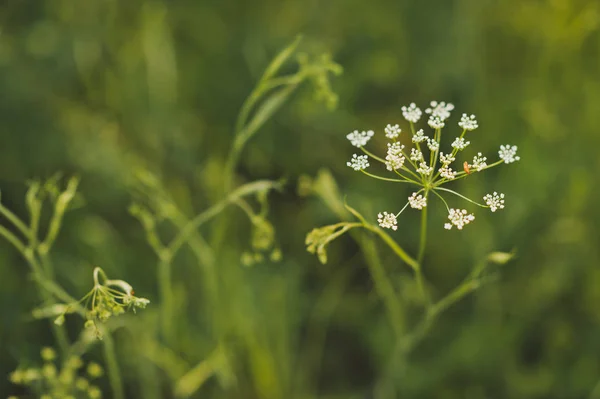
(140, 102)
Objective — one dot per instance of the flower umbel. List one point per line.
(411, 113)
(468, 122)
(387, 220)
(421, 168)
(417, 201)
(360, 139)
(358, 162)
(419, 136)
(392, 132)
(106, 299)
(495, 201)
(394, 158)
(458, 218)
(508, 154)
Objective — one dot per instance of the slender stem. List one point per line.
(165, 286)
(461, 196)
(442, 198)
(10, 237)
(214, 210)
(383, 285)
(462, 175)
(421, 255)
(383, 161)
(15, 220)
(369, 153)
(394, 246)
(388, 178)
(112, 366)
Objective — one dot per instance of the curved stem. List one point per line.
(461, 196)
(214, 210)
(442, 198)
(15, 220)
(388, 178)
(369, 153)
(394, 246)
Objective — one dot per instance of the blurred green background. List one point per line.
(101, 88)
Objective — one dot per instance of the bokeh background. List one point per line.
(102, 88)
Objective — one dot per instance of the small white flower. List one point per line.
(458, 218)
(460, 143)
(447, 172)
(495, 201)
(508, 154)
(416, 155)
(424, 169)
(468, 122)
(446, 159)
(358, 162)
(392, 132)
(360, 139)
(436, 122)
(479, 162)
(433, 145)
(387, 221)
(395, 158)
(419, 136)
(441, 109)
(417, 201)
(411, 113)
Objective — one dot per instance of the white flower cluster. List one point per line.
(387, 220)
(508, 154)
(358, 162)
(433, 145)
(360, 139)
(447, 173)
(419, 136)
(458, 218)
(392, 132)
(416, 155)
(395, 158)
(495, 201)
(424, 169)
(395, 161)
(440, 110)
(417, 201)
(411, 113)
(479, 162)
(468, 122)
(435, 122)
(460, 143)
(446, 159)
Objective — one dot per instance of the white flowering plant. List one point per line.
(417, 160)
(427, 167)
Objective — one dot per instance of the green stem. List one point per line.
(15, 220)
(389, 179)
(383, 285)
(165, 287)
(189, 229)
(442, 198)
(461, 196)
(462, 175)
(421, 255)
(112, 366)
(394, 246)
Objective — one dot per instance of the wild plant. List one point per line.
(58, 377)
(414, 160)
(234, 346)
